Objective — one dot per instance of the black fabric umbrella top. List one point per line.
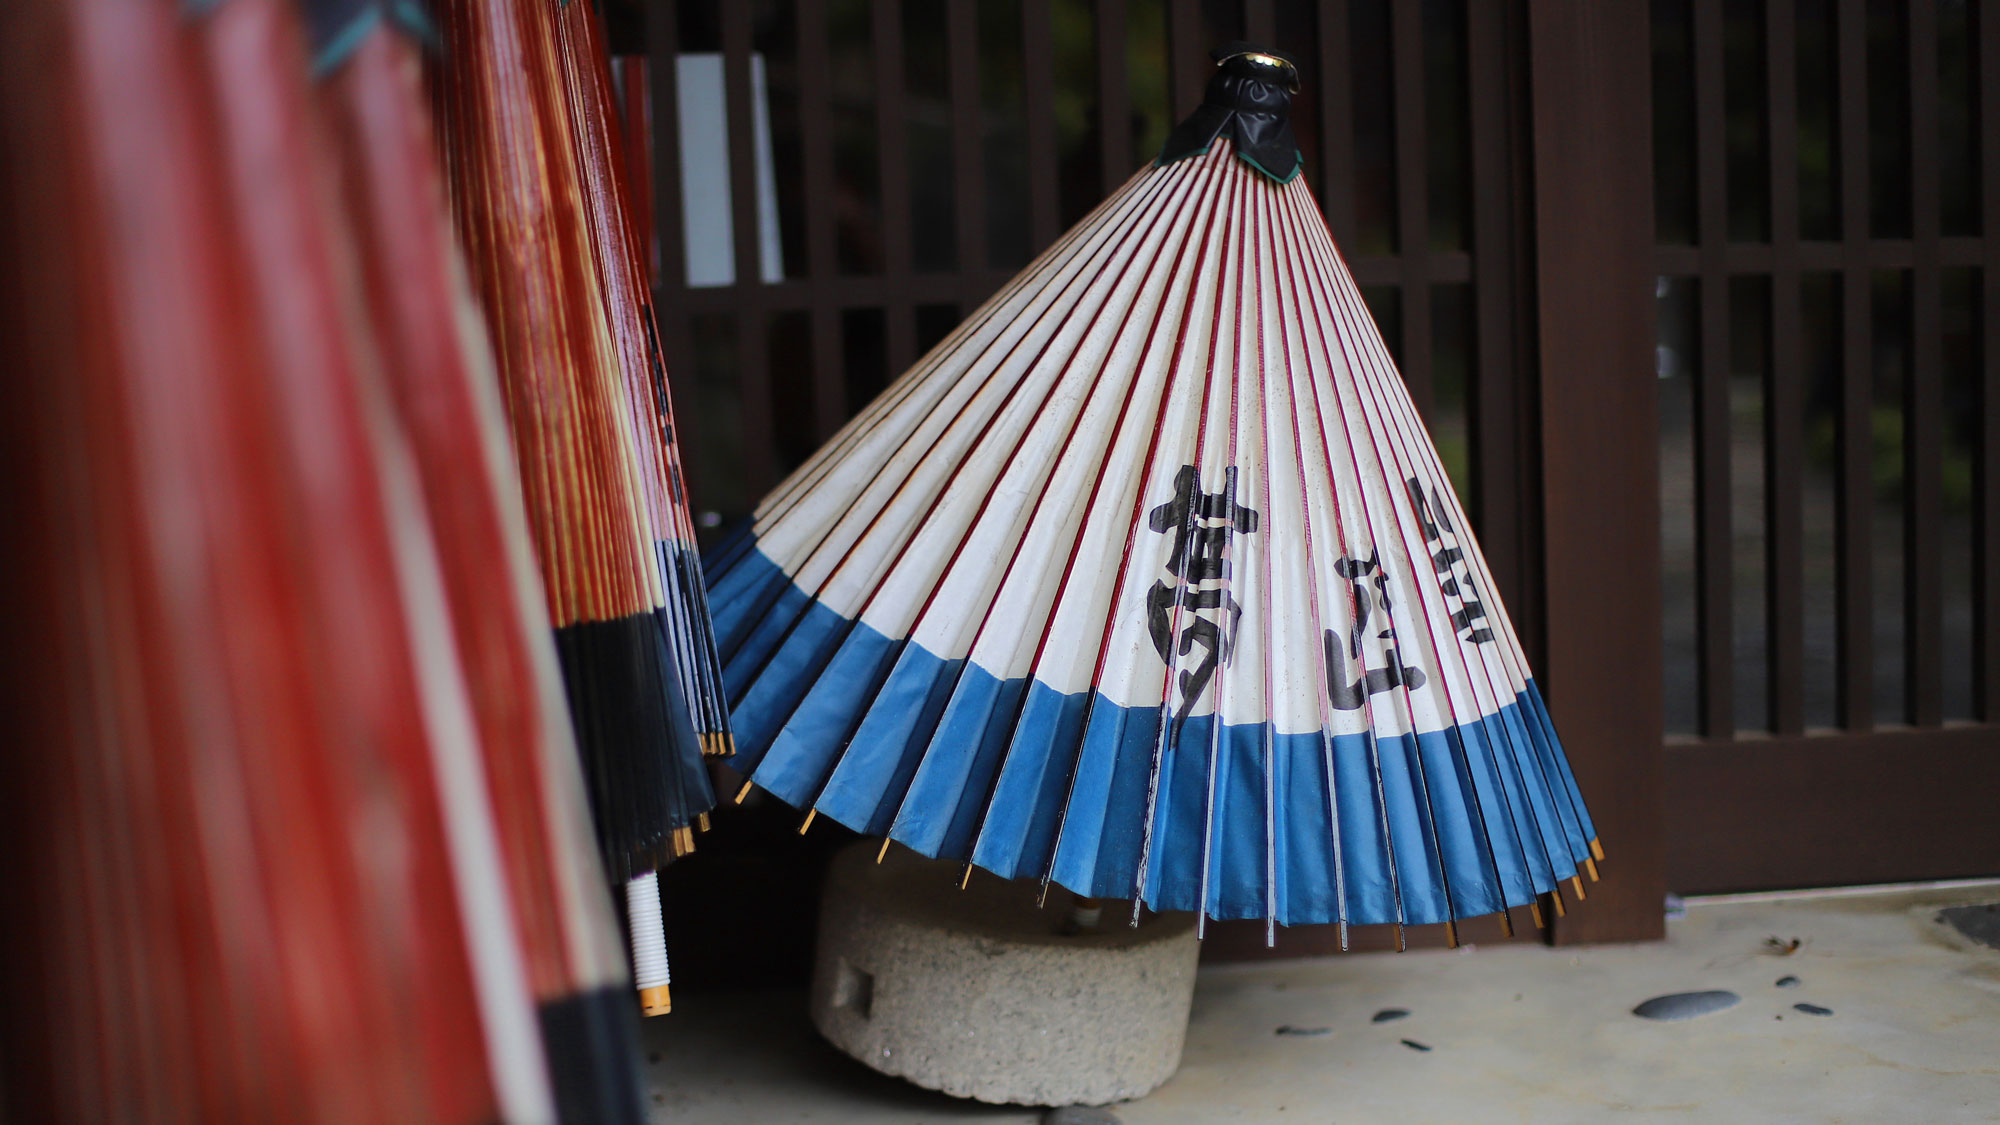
(1249, 101)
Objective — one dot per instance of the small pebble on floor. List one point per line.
(1686, 1005)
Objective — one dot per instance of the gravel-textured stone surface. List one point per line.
(978, 993)
(1523, 1032)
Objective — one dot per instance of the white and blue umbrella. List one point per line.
(1149, 582)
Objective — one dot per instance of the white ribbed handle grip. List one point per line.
(649, 943)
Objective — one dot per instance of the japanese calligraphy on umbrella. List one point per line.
(1148, 582)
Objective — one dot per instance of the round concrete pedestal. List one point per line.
(979, 993)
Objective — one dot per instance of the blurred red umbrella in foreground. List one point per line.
(439, 364)
(274, 701)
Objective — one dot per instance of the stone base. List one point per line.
(979, 993)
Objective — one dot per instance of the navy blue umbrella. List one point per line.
(1149, 582)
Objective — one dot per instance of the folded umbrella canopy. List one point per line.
(266, 883)
(439, 368)
(536, 194)
(1148, 582)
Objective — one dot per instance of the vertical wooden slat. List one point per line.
(1413, 211)
(753, 372)
(1498, 446)
(1260, 23)
(1784, 387)
(968, 142)
(892, 139)
(663, 50)
(1336, 122)
(1714, 539)
(1855, 481)
(1923, 391)
(1986, 528)
(1188, 65)
(1114, 96)
(816, 140)
(1592, 171)
(1038, 79)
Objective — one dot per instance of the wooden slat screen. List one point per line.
(1826, 201)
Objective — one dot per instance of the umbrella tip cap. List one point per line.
(656, 1001)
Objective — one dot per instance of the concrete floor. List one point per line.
(1518, 1033)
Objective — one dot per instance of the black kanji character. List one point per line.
(1202, 524)
(1206, 559)
(1349, 694)
(1469, 620)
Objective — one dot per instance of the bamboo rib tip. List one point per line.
(1450, 934)
(1576, 884)
(1596, 850)
(1535, 908)
(1557, 898)
(884, 853)
(810, 813)
(743, 792)
(1402, 946)
(701, 819)
(728, 745)
(965, 879)
(655, 1001)
(1507, 922)
(1590, 865)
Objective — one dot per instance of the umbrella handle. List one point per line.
(649, 944)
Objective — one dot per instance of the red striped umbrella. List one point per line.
(272, 888)
(621, 234)
(439, 364)
(535, 194)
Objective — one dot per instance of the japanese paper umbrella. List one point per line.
(261, 820)
(586, 423)
(1149, 583)
(620, 231)
(439, 366)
